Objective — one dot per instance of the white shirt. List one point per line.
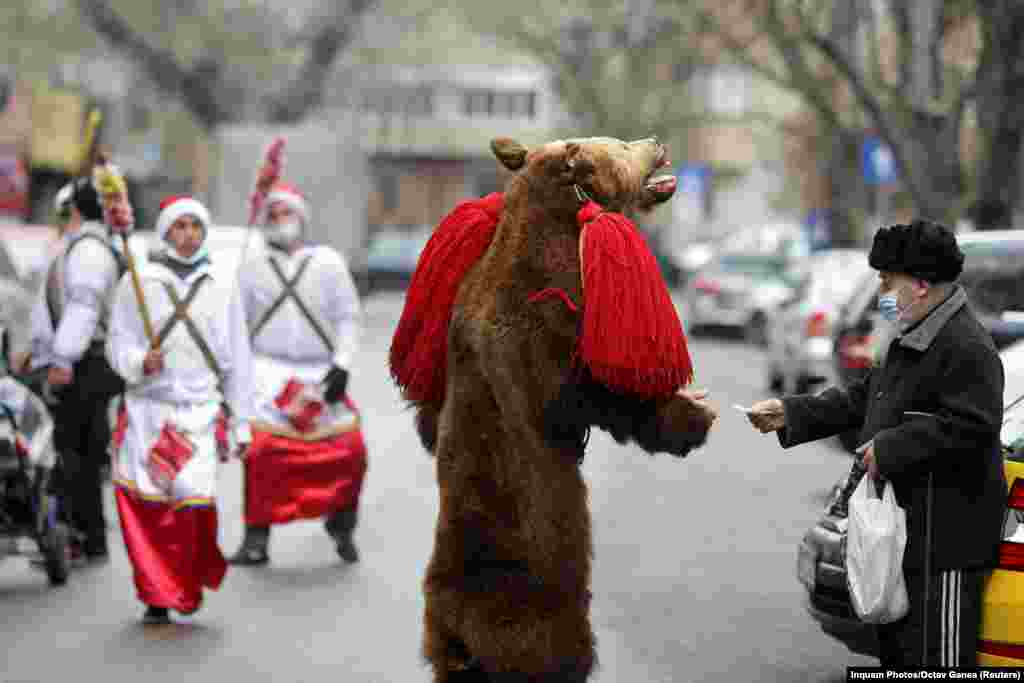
(329, 293)
(187, 378)
(88, 274)
(41, 328)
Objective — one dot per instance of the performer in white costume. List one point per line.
(168, 441)
(308, 458)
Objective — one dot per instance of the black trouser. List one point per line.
(82, 436)
(954, 619)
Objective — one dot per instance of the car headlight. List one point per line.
(806, 566)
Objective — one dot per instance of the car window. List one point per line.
(993, 275)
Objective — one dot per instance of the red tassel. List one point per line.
(632, 340)
(419, 348)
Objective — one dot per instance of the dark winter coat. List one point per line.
(936, 406)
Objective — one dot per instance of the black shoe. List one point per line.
(249, 556)
(347, 550)
(156, 616)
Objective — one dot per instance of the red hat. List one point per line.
(174, 207)
(288, 195)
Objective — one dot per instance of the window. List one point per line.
(476, 103)
(512, 104)
(406, 101)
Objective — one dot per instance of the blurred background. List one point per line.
(796, 129)
(831, 116)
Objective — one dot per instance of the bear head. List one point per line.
(620, 176)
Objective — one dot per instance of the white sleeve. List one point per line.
(91, 273)
(127, 344)
(343, 310)
(40, 341)
(238, 383)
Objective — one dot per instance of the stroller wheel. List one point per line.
(56, 554)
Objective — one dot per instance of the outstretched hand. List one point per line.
(699, 397)
(767, 416)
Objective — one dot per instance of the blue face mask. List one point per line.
(889, 307)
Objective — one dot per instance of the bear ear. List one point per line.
(510, 153)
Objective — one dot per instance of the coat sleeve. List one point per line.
(833, 411)
(91, 273)
(238, 383)
(969, 415)
(343, 310)
(127, 344)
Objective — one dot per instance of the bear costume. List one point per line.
(533, 316)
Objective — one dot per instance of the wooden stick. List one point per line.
(89, 141)
(147, 321)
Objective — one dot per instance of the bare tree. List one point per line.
(209, 88)
(916, 108)
(1000, 81)
(620, 66)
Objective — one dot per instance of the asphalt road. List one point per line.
(694, 573)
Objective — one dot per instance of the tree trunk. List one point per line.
(847, 189)
(1000, 116)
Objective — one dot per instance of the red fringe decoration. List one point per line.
(632, 340)
(419, 348)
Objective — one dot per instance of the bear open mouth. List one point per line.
(661, 185)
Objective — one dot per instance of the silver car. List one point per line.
(756, 271)
(800, 347)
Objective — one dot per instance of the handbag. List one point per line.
(876, 542)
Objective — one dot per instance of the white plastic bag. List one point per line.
(876, 540)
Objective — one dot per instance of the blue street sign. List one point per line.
(877, 162)
(693, 179)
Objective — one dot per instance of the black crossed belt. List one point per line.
(180, 315)
(288, 291)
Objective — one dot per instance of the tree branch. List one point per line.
(329, 37)
(200, 89)
(874, 109)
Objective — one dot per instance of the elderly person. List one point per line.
(929, 421)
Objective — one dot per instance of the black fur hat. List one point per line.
(86, 199)
(922, 249)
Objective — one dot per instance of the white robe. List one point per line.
(287, 347)
(186, 391)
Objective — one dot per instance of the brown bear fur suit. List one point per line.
(507, 587)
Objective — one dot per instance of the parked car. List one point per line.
(390, 259)
(994, 279)
(689, 259)
(800, 333)
(821, 556)
(756, 271)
